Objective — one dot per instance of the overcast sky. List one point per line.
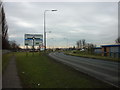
(97, 22)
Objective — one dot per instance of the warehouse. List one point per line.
(111, 50)
(98, 50)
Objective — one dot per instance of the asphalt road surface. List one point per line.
(107, 71)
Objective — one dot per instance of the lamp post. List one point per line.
(45, 27)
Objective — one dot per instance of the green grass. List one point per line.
(95, 56)
(40, 71)
(5, 60)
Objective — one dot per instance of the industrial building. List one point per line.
(98, 50)
(111, 50)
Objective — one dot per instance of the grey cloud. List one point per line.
(96, 22)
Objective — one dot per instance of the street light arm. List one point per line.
(53, 10)
(50, 10)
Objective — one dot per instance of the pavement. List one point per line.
(10, 77)
(106, 71)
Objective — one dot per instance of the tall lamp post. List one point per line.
(45, 27)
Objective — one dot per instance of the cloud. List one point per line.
(24, 24)
(96, 22)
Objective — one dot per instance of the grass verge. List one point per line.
(93, 56)
(40, 71)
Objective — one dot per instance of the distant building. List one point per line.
(98, 50)
(111, 50)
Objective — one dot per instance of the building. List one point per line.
(111, 50)
(98, 50)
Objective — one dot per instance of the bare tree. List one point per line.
(79, 44)
(91, 47)
(84, 43)
(4, 28)
(117, 40)
(14, 46)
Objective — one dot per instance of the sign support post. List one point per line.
(26, 50)
(33, 45)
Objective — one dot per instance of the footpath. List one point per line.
(10, 77)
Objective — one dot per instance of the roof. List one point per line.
(110, 45)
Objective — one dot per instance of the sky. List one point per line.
(96, 22)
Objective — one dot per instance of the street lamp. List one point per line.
(45, 27)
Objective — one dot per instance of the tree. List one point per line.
(84, 43)
(117, 40)
(14, 46)
(4, 28)
(90, 47)
(77, 44)
(81, 44)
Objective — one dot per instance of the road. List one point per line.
(107, 71)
